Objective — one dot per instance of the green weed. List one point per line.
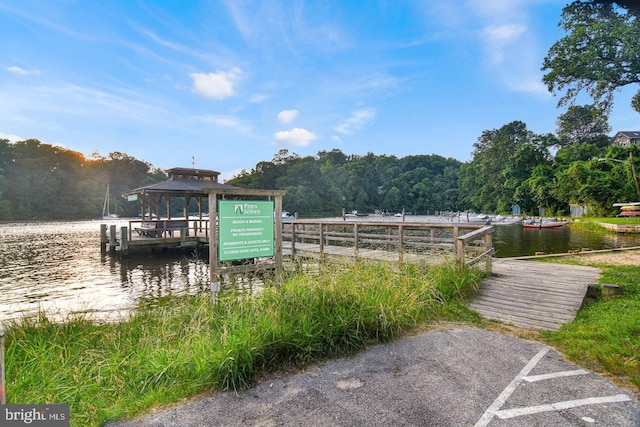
(181, 346)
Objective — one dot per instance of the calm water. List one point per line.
(57, 266)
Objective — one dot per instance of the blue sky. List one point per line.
(227, 84)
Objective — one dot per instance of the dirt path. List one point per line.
(618, 257)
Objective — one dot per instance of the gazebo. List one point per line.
(253, 229)
(185, 183)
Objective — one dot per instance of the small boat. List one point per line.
(286, 216)
(105, 208)
(630, 210)
(503, 220)
(543, 223)
(479, 218)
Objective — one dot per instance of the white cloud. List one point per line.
(499, 37)
(22, 71)
(218, 85)
(287, 116)
(227, 121)
(357, 120)
(12, 138)
(295, 137)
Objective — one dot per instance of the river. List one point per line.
(57, 267)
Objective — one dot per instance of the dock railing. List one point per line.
(428, 239)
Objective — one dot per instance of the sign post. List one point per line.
(3, 392)
(243, 229)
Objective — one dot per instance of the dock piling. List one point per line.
(103, 238)
(124, 241)
(113, 241)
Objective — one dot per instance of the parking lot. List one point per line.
(461, 376)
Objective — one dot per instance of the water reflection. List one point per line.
(57, 267)
(514, 240)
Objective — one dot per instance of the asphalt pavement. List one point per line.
(461, 376)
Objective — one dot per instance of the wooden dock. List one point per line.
(313, 251)
(534, 294)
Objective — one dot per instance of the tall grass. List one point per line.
(181, 346)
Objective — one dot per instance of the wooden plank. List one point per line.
(534, 294)
(521, 307)
(543, 300)
(554, 289)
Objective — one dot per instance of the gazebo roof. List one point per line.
(184, 182)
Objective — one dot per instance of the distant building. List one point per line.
(578, 210)
(626, 138)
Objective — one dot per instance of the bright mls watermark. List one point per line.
(34, 415)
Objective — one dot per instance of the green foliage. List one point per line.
(41, 181)
(599, 53)
(182, 346)
(583, 125)
(331, 181)
(503, 159)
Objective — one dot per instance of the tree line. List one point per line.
(42, 181)
(511, 165)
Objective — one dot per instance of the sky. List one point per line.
(224, 85)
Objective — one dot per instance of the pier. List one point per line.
(523, 293)
(414, 242)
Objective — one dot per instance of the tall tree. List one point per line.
(600, 53)
(502, 160)
(583, 124)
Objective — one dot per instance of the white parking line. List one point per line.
(558, 406)
(534, 378)
(500, 400)
(494, 409)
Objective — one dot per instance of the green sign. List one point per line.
(245, 229)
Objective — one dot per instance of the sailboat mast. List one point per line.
(105, 208)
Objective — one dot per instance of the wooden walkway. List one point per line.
(313, 250)
(534, 294)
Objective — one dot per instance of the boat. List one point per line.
(629, 210)
(105, 208)
(286, 216)
(479, 218)
(543, 223)
(504, 220)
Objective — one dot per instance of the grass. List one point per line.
(605, 337)
(591, 223)
(182, 346)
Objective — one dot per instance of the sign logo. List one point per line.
(34, 415)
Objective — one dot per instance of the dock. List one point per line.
(532, 294)
(313, 251)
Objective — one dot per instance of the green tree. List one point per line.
(583, 124)
(502, 160)
(600, 53)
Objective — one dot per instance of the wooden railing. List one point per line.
(434, 239)
(167, 227)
